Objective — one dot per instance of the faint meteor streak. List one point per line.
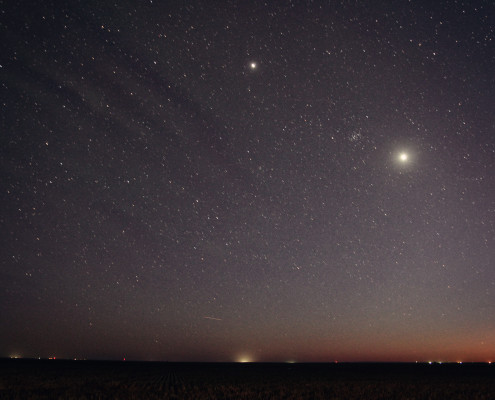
(213, 318)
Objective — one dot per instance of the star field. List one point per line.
(307, 181)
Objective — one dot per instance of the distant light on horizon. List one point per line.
(244, 359)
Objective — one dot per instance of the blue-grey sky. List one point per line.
(217, 181)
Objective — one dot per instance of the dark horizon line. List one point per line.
(55, 359)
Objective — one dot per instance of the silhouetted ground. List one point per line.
(60, 379)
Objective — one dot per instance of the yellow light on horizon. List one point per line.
(244, 359)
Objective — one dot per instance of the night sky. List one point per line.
(257, 181)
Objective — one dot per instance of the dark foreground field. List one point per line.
(54, 379)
